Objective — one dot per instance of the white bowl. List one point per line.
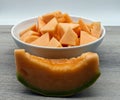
(52, 52)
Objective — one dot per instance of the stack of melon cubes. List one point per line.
(57, 29)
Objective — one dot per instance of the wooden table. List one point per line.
(107, 86)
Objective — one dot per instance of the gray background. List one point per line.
(106, 11)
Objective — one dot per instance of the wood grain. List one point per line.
(107, 86)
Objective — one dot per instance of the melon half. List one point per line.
(56, 77)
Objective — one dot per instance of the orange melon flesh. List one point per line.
(96, 29)
(63, 27)
(83, 26)
(54, 43)
(30, 38)
(50, 27)
(28, 34)
(71, 25)
(86, 38)
(56, 77)
(67, 18)
(64, 18)
(77, 30)
(40, 23)
(42, 41)
(47, 17)
(69, 37)
(32, 27)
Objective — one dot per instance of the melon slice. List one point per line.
(50, 27)
(54, 43)
(42, 41)
(69, 38)
(86, 38)
(56, 77)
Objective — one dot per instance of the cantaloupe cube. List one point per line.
(50, 27)
(28, 33)
(86, 38)
(43, 40)
(32, 27)
(78, 41)
(71, 25)
(89, 26)
(69, 37)
(30, 38)
(47, 17)
(77, 30)
(64, 18)
(40, 23)
(83, 26)
(63, 27)
(54, 43)
(67, 18)
(96, 29)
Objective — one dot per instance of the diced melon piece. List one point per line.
(78, 42)
(28, 33)
(96, 29)
(32, 27)
(31, 38)
(47, 17)
(63, 27)
(50, 27)
(42, 41)
(69, 37)
(64, 18)
(89, 26)
(83, 26)
(86, 38)
(67, 18)
(71, 25)
(40, 23)
(54, 43)
(77, 30)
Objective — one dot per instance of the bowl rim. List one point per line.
(56, 48)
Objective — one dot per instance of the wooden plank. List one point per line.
(107, 86)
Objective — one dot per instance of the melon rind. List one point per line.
(57, 93)
(61, 91)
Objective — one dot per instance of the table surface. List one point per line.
(107, 87)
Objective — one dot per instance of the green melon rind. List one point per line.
(57, 93)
